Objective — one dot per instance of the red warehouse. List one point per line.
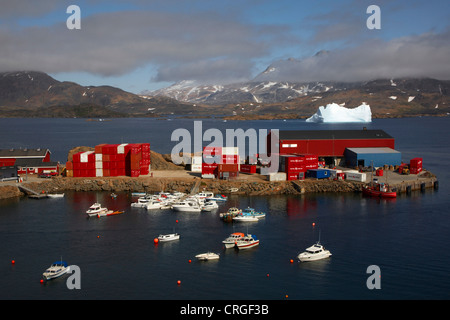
(328, 143)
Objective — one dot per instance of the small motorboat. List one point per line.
(245, 218)
(55, 195)
(315, 252)
(168, 237)
(218, 198)
(56, 270)
(231, 240)
(97, 210)
(382, 190)
(210, 205)
(247, 242)
(113, 195)
(113, 213)
(230, 214)
(207, 256)
(252, 212)
(204, 195)
(154, 204)
(187, 206)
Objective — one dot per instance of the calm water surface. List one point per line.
(407, 237)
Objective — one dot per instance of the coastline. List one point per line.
(184, 181)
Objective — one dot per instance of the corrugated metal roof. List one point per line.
(332, 134)
(372, 150)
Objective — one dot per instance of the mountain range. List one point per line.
(36, 94)
(31, 93)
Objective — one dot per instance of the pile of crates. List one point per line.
(111, 160)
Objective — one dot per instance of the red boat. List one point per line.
(379, 190)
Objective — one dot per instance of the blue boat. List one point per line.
(249, 214)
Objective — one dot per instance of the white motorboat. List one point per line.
(55, 195)
(187, 206)
(242, 218)
(96, 210)
(207, 256)
(141, 202)
(315, 252)
(205, 195)
(154, 204)
(168, 237)
(57, 269)
(210, 206)
(218, 198)
(247, 242)
(231, 240)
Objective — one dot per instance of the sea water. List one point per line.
(406, 238)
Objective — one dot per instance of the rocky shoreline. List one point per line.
(152, 184)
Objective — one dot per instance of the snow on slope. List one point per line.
(333, 113)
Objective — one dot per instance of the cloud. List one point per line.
(424, 55)
(115, 43)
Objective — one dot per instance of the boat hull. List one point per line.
(379, 194)
(52, 275)
(244, 246)
(313, 257)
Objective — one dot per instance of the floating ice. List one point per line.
(335, 113)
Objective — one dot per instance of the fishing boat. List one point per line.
(231, 240)
(315, 252)
(210, 206)
(249, 214)
(207, 256)
(187, 206)
(56, 270)
(376, 189)
(382, 190)
(230, 214)
(168, 237)
(96, 209)
(247, 242)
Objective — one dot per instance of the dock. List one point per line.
(31, 193)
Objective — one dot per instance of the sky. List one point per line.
(144, 45)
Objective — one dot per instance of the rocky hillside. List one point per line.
(33, 93)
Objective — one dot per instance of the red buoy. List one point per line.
(155, 241)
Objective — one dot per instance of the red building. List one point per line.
(328, 143)
(28, 161)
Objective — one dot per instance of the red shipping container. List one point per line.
(144, 171)
(415, 163)
(69, 165)
(106, 172)
(99, 148)
(146, 155)
(415, 170)
(228, 167)
(231, 159)
(145, 147)
(248, 168)
(212, 151)
(135, 173)
(295, 169)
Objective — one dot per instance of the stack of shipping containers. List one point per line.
(220, 162)
(111, 160)
(296, 166)
(415, 166)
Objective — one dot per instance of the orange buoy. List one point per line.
(42, 281)
(156, 240)
(178, 282)
(292, 261)
(313, 224)
(13, 261)
(190, 261)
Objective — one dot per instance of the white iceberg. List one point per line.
(333, 113)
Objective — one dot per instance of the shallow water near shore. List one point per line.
(405, 237)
